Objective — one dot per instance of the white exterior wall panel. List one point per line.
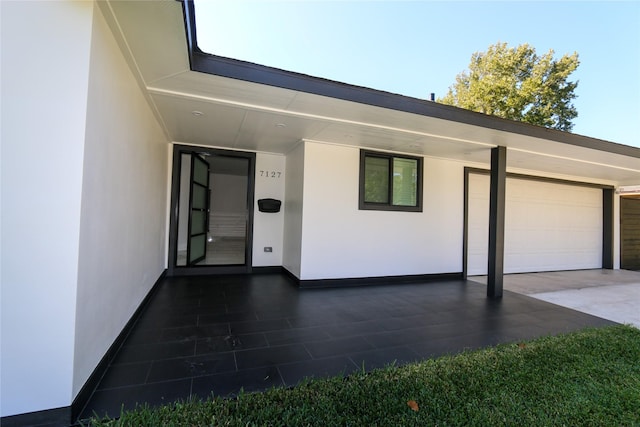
(268, 228)
(341, 241)
(123, 211)
(292, 228)
(46, 49)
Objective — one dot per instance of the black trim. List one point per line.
(291, 276)
(255, 73)
(540, 178)
(608, 195)
(363, 205)
(201, 270)
(175, 270)
(205, 209)
(497, 199)
(188, 10)
(371, 281)
(465, 225)
(276, 269)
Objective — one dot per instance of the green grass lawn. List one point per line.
(590, 377)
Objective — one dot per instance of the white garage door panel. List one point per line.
(478, 225)
(548, 226)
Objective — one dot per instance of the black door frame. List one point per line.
(192, 185)
(173, 269)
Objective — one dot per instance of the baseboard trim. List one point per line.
(276, 269)
(90, 385)
(372, 281)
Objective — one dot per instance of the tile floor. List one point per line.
(218, 334)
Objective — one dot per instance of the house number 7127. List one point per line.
(270, 174)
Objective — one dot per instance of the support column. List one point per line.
(496, 221)
(607, 228)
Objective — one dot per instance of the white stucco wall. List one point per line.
(294, 188)
(341, 241)
(122, 227)
(268, 228)
(45, 74)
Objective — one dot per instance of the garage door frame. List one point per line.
(607, 211)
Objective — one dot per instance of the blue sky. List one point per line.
(415, 48)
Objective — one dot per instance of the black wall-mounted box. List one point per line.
(269, 205)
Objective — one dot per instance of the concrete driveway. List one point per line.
(609, 294)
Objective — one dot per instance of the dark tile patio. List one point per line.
(217, 334)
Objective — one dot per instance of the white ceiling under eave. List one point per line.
(242, 115)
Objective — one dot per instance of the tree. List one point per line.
(517, 84)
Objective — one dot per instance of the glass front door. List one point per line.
(213, 200)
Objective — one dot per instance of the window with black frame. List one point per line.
(390, 182)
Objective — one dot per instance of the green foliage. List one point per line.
(587, 378)
(517, 84)
(376, 184)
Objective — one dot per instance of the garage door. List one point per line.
(548, 226)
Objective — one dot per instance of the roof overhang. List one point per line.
(245, 106)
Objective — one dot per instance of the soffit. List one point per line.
(153, 34)
(249, 116)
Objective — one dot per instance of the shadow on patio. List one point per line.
(218, 334)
